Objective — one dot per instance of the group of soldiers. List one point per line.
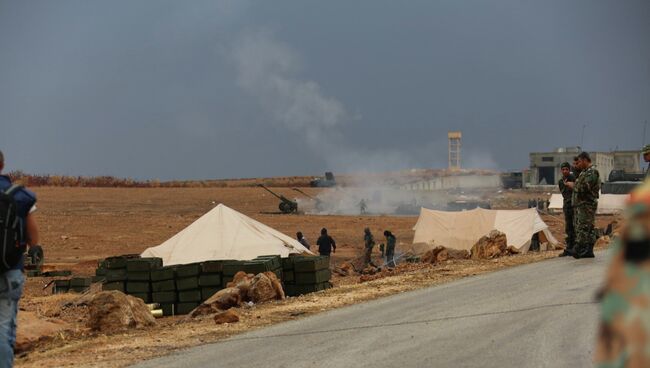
(387, 251)
(580, 187)
(327, 245)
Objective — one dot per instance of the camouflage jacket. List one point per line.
(567, 193)
(390, 243)
(587, 188)
(624, 332)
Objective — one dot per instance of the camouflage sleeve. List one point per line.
(592, 181)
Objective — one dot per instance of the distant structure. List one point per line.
(454, 150)
(545, 166)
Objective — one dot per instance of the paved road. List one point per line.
(537, 315)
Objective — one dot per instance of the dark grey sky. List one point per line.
(218, 89)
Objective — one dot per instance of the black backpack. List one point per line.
(11, 231)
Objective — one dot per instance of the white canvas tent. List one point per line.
(607, 203)
(224, 233)
(461, 230)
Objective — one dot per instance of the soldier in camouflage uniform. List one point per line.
(624, 333)
(369, 244)
(567, 207)
(585, 201)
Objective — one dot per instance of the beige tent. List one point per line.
(461, 230)
(608, 204)
(224, 233)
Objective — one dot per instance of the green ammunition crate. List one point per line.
(138, 275)
(288, 276)
(311, 264)
(146, 297)
(189, 296)
(62, 283)
(138, 287)
(165, 297)
(279, 273)
(188, 270)
(101, 272)
(80, 282)
(117, 285)
(189, 283)
(230, 268)
(210, 279)
(165, 273)
(143, 264)
(118, 274)
(168, 309)
(119, 261)
(287, 263)
(33, 273)
(167, 285)
(207, 292)
(212, 266)
(256, 267)
(306, 278)
(276, 261)
(185, 308)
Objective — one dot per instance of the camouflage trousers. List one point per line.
(569, 228)
(585, 220)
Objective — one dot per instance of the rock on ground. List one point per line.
(229, 316)
(493, 245)
(441, 254)
(111, 311)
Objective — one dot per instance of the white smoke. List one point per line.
(267, 70)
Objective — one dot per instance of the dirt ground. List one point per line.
(79, 226)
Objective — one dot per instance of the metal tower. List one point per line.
(454, 150)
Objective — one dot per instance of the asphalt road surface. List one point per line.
(536, 315)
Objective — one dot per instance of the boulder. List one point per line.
(225, 299)
(441, 254)
(229, 316)
(493, 245)
(262, 289)
(111, 311)
(512, 250)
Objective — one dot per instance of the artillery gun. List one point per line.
(319, 203)
(286, 205)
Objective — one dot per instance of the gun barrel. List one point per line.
(269, 190)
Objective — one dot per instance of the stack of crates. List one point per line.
(163, 289)
(303, 275)
(210, 279)
(100, 271)
(138, 276)
(61, 286)
(187, 284)
(115, 273)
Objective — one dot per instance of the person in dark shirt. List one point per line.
(302, 240)
(12, 280)
(326, 244)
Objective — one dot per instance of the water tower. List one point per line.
(454, 150)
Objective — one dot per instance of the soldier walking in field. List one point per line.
(567, 207)
(585, 201)
(369, 244)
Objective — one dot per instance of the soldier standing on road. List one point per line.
(567, 207)
(624, 335)
(585, 201)
(390, 248)
(646, 158)
(369, 243)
